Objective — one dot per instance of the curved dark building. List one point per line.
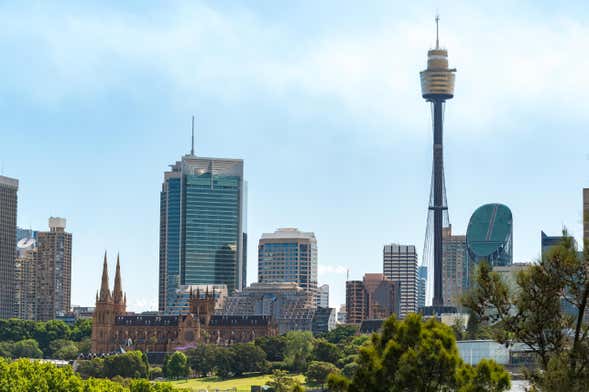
(490, 235)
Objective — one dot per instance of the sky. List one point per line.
(322, 102)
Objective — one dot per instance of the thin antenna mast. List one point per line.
(192, 149)
(437, 32)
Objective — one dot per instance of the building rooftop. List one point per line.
(288, 233)
(9, 182)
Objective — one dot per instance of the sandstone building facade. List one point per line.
(113, 328)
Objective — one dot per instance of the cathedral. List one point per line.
(114, 329)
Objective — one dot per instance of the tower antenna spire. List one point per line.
(192, 148)
(437, 31)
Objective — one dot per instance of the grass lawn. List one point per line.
(212, 383)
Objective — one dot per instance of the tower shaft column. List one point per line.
(438, 199)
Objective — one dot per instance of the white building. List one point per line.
(323, 296)
(288, 255)
(400, 265)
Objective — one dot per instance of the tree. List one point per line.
(63, 349)
(131, 364)
(202, 358)
(273, 346)
(533, 312)
(409, 355)
(280, 381)
(340, 333)
(325, 351)
(176, 365)
(299, 346)
(81, 330)
(28, 348)
(247, 357)
(487, 376)
(90, 368)
(223, 361)
(317, 372)
(49, 331)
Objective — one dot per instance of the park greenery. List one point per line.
(413, 355)
(52, 339)
(546, 309)
(26, 375)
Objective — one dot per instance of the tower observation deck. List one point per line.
(437, 86)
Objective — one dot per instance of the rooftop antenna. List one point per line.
(192, 149)
(437, 32)
(347, 274)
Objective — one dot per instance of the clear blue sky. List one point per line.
(320, 99)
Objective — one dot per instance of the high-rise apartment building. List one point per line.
(455, 267)
(288, 255)
(323, 296)
(356, 301)
(54, 271)
(202, 225)
(421, 286)
(400, 265)
(373, 298)
(8, 203)
(25, 298)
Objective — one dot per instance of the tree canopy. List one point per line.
(413, 355)
(545, 310)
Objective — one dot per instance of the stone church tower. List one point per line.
(108, 306)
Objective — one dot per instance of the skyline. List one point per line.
(319, 99)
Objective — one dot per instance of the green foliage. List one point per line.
(63, 349)
(176, 366)
(28, 348)
(487, 376)
(24, 375)
(281, 381)
(247, 357)
(273, 346)
(299, 347)
(45, 333)
(413, 355)
(532, 312)
(202, 359)
(131, 364)
(340, 333)
(325, 351)
(317, 372)
(155, 372)
(81, 330)
(90, 368)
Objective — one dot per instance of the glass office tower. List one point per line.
(202, 230)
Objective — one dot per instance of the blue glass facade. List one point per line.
(201, 230)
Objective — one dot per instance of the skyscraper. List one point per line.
(455, 271)
(356, 301)
(489, 235)
(202, 230)
(375, 297)
(400, 265)
(26, 276)
(437, 86)
(288, 255)
(8, 203)
(421, 286)
(54, 270)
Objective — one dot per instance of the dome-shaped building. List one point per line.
(489, 235)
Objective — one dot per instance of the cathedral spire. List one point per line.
(104, 291)
(118, 290)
